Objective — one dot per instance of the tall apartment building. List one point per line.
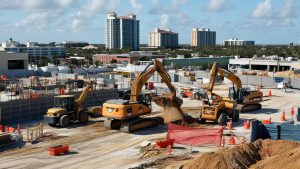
(122, 31)
(163, 38)
(237, 42)
(203, 37)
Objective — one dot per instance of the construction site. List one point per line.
(156, 118)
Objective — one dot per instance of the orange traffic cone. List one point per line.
(283, 116)
(231, 139)
(292, 111)
(229, 125)
(270, 92)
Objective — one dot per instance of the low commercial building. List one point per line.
(163, 38)
(237, 42)
(13, 64)
(32, 49)
(201, 61)
(115, 58)
(263, 64)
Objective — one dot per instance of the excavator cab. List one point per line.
(145, 99)
(65, 102)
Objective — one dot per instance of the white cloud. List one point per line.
(138, 6)
(217, 6)
(158, 8)
(81, 19)
(288, 10)
(164, 21)
(274, 17)
(263, 9)
(35, 4)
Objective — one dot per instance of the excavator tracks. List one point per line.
(248, 107)
(132, 125)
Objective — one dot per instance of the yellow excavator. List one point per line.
(68, 109)
(126, 114)
(247, 100)
(219, 109)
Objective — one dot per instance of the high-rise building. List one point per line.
(237, 42)
(122, 31)
(163, 38)
(203, 37)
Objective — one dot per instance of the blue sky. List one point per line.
(265, 21)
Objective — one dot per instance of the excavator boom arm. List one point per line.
(79, 101)
(141, 80)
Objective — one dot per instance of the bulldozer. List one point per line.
(68, 109)
(218, 109)
(126, 114)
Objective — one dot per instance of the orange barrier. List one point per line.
(231, 139)
(229, 125)
(57, 150)
(195, 136)
(164, 144)
(34, 95)
(283, 116)
(247, 124)
(266, 121)
(292, 111)
(62, 91)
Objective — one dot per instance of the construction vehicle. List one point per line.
(126, 114)
(68, 109)
(247, 100)
(218, 109)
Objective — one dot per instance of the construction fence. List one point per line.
(264, 81)
(22, 110)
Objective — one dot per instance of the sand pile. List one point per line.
(269, 154)
(171, 108)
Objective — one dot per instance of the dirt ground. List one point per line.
(93, 146)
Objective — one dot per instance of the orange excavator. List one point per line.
(247, 100)
(126, 114)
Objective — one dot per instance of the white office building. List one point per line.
(122, 32)
(32, 49)
(237, 42)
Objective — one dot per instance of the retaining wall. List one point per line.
(22, 110)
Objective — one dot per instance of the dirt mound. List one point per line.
(268, 154)
(171, 109)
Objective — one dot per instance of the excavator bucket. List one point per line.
(171, 108)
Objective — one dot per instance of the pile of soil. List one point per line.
(171, 109)
(267, 154)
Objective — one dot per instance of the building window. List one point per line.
(15, 64)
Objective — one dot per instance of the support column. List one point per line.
(268, 68)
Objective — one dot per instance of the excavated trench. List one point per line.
(266, 154)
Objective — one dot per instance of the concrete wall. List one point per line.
(5, 57)
(224, 61)
(17, 111)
